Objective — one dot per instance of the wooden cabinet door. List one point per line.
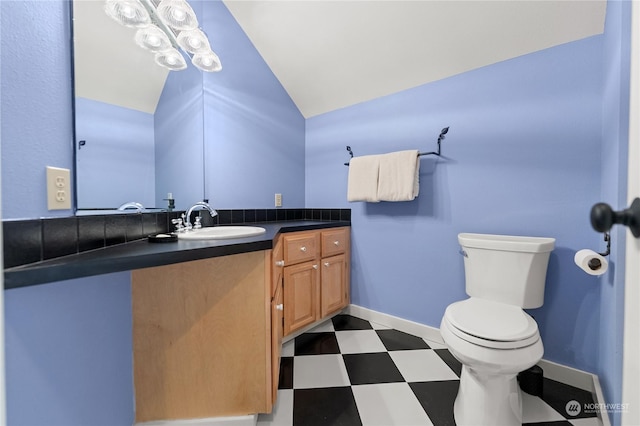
(276, 339)
(201, 338)
(332, 284)
(300, 295)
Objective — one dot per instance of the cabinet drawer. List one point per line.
(335, 241)
(300, 247)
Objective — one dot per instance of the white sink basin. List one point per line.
(222, 232)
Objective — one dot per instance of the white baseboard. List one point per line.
(249, 420)
(415, 328)
(554, 371)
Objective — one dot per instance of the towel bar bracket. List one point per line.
(350, 153)
(420, 154)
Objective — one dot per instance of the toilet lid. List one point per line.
(492, 321)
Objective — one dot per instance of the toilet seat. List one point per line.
(491, 324)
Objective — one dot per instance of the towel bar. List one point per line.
(420, 154)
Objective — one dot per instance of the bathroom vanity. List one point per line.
(315, 276)
(207, 334)
(209, 316)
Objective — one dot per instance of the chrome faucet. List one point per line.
(200, 205)
(132, 204)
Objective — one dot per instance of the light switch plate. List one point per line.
(58, 188)
(278, 200)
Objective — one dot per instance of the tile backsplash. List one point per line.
(34, 240)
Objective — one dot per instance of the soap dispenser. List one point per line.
(171, 201)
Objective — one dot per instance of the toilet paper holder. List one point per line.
(603, 217)
(595, 264)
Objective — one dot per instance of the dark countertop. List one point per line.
(143, 254)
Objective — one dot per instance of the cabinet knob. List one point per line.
(336, 243)
(326, 263)
(303, 248)
(280, 307)
(315, 266)
(279, 262)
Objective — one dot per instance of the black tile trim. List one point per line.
(59, 237)
(22, 242)
(34, 240)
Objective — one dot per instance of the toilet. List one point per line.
(489, 333)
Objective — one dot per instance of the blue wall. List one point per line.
(254, 133)
(36, 102)
(67, 345)
(68, 353)
(114, 135)
(522, 157)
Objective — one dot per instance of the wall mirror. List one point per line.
(130, 113)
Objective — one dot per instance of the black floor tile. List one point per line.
(371, 368)
(337, 406)
(347, 322)
(316, 344)
(450, 360)
(286, 373)
(558, 395)
(437, 399)
(395, 340)
(325, 406)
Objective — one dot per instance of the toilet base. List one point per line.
(487, 399)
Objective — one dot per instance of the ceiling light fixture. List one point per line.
(163, 27)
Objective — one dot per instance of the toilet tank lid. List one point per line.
(507, 242)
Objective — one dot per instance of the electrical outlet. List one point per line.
(278, 200)
(58, 188)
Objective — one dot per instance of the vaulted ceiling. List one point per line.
(332, 54)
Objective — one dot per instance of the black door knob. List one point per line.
(603, 217)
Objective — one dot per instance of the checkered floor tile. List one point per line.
(348, 371)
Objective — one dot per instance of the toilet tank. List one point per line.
(506, 268)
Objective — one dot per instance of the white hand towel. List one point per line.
(399, 176)
(363, 178)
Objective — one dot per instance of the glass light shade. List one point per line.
(171, 59)
(152, 38)
(193, 41)
(178, 15)
(207, 61)
(129, 13)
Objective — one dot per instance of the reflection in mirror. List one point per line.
(134, 119)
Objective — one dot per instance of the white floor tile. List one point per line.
(359, 341)
(282, 414)
(421, 366)
(319, 371)
(535, 410)
(288, 349)
(389, 404)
